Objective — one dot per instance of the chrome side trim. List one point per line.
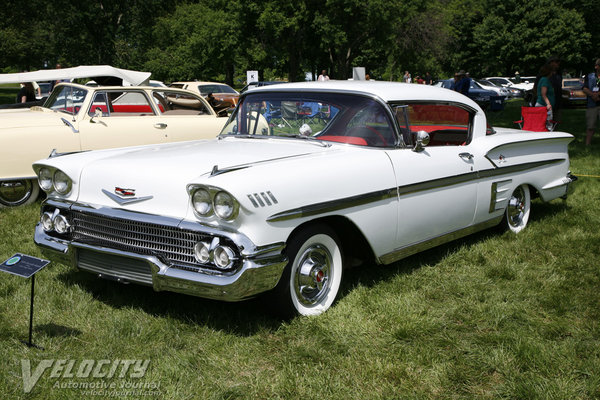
(353, 201)
(518, 167)
(409, 250)
(334, 205)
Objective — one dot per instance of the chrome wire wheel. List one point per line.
(18, 192)
(517, 211)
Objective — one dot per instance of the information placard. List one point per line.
(23, 265)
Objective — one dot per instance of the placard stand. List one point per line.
(30, 343)
(26, 267)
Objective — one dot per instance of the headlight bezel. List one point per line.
(215, 194)
(54, 181)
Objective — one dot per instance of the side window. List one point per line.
(447, 125)
(178, 103)
(372, 124)
(100, 102)
(124, 104)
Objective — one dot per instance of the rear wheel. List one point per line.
(517, 211)
(311, 280)
(18, 192)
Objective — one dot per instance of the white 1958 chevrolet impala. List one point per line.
(303, 178)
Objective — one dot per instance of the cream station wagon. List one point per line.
(78, 118)
(304, 180)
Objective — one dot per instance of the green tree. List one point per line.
(512, 35)
(195, 42)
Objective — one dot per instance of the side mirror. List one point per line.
(97, 116)
(421, 141)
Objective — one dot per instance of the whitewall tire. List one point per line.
(311, 280)
(517, 212)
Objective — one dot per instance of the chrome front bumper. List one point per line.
(259, 271)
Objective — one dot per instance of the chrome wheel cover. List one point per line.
(313, 275)
(516, 208)
(14, 193)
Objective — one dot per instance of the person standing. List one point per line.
(545, 92)
(556, 81)
(407, 77)
(26, 93)
(463, 84)
(428, 80)
(323, 77)
(591, 87)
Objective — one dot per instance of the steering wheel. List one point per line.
(370, 134)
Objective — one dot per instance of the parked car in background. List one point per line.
(305, 180)
(476, 92)
(156, 83)
(508, 92)
(45, 89)
(78, 118)
(525, 84)
(572, 92)
(225, 97)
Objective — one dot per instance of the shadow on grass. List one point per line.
(371, 274)
(243, 318)
(251, 316)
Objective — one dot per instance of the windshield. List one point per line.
(344, 118)
(67, 99)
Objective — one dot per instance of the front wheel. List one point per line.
(18, 192)
(311, 280)
(517, 211)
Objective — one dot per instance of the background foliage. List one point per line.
(220, 40)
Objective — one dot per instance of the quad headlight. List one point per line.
(62, 183)
(45, 179)
(211, 200)
(224, 205)
(54, 180)
(202, 202)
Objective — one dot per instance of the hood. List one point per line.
(163, 172)
(34, 117)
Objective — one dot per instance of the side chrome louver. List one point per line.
(262, 199)
(500, 194)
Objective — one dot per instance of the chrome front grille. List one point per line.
(166, 242)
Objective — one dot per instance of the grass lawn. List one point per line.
(494, 315)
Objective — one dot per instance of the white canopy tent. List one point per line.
(129, 78)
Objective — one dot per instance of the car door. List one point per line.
(437, 184)
(185, 116)
(120, 118)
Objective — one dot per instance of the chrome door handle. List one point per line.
(160, 125)
(466, 156)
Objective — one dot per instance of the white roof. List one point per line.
(129, 77)
(387, 91)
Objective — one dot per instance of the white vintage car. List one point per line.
(78, 118)
(304, 180)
